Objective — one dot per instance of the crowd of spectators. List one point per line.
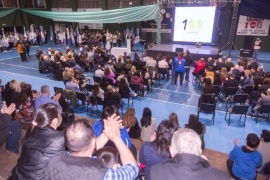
(51, 149)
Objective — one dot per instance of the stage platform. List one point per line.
(196, 53)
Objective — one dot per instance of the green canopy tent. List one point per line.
(134, 14)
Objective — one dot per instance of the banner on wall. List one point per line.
(250, 26)
(166, 22)
(90, 25)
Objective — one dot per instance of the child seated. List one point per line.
(109, 157)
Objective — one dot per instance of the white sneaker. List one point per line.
(135, 94)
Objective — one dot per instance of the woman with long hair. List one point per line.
(197, 126)
(12, 92)
(26, 104)
(148, 125)
(41, 143)
(97, 91)
(174, 119)
(157, 151)
(131, 123)
(207, 87)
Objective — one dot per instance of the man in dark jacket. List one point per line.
(79, 162)
(112, 97)
(253, 64)
(10, 131)
(187, 161)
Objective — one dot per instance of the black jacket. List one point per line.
(186, 166)
(4, 126)
(40, 146)
(67, 167)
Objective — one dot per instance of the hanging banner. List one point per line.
(166, 22)
(250, 26)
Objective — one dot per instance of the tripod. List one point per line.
(229, 49)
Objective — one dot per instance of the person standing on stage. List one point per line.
(21, 50)
(179, 68)
(26, 44)
(257, 47)
(45, 36)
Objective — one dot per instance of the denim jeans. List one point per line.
(187, 74)
(256, 52)
(13, 139)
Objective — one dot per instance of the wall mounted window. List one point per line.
(9, 3)
(89, 4)
(118, 4)
(61, 3)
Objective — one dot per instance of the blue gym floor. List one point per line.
(163, 100)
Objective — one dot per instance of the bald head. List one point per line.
(79, 136)
(109, 88)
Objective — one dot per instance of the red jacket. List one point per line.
(198, 66)
(137, 80)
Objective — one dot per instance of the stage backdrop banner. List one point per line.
(166, 22)
(250, 26)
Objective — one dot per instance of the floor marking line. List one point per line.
(30, 76)
(18, 66)
(176, 91)
(178, 103)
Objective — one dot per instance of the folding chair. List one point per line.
(237, 98)
(237, 109)
(263, 109)
(82, 97)
(207, 109)
(136, 88)
(125, 95)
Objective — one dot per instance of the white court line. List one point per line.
(14, 57)
(176, 91)
(29, 76)
(18, 66)
(178, 103)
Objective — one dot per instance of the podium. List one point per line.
(129, 45)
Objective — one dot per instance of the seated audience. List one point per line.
(174, 119)
(120, 64)
(244, 160)
(253, 64)
(79, 163)
(208, 74)
(131, 123)
(40, 144)
(264, 100)
(148, 125)
(12, 92)
(99, 72)
(197, 126)
(45, 97)
(26, 104)
(219, 64)
(198, 66)
(157, 151)
(231, 82)
(151, 62)
(10, 131)
(97, 91)
(72, 84)
(137, 79)
(98, 126)
(207, 87)
(109, 74)
(264, 149)
(187, 160)
(112, 96)
(109, 157)
(228, 64)
(235, 70)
